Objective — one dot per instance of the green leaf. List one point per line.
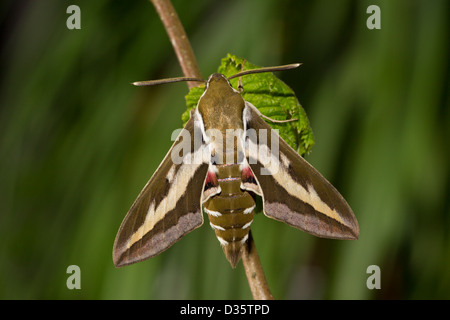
(191, 101)
(271, 96)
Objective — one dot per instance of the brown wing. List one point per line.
(168, 207)
(293, 191)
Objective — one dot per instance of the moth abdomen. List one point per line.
(230, 212)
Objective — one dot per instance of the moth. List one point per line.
(224, 157)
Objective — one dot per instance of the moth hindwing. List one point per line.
(226, 156)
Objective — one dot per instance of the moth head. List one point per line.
(217, 79)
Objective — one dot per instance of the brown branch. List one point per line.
(250, 259)
(179, 39)
(254, 272)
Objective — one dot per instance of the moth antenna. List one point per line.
(266, 69)
(163, 81)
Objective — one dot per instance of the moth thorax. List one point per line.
(227, 148)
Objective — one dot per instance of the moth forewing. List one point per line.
(167, 208)
(294, 192)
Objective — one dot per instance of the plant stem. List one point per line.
(179, 39)
(254, 272)
(250, 259)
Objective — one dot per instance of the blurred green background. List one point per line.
(78, 143)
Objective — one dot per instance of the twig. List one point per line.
(179, 39)
(250, 259)
(254, 272)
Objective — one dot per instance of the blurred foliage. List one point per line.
(78, 143)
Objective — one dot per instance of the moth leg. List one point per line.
(240, 85)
